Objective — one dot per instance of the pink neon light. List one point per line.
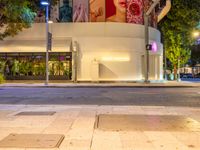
(154, 47)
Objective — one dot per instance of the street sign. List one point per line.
(148, 47)
(49, 41)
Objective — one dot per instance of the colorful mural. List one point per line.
(153, 19)
(53, 14)
(135, 11)
(116, 10)
(153, 16)
(97, 10)
(40, 18)
(65, 11)
(130, 11)
(80, 10)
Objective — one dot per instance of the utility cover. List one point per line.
(146, 123)
(32, 141)
(36, 113)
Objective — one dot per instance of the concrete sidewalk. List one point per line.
(108, 84)
(77, 124)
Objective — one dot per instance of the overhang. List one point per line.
(35, 45)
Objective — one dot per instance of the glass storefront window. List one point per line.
(25, 65)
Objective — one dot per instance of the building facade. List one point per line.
(94, 40)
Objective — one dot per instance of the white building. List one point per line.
(104, 51)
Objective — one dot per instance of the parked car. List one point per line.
(197, 75)
(186, 75)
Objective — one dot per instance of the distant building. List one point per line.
(187, 69)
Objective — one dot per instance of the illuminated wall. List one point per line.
(105, 51)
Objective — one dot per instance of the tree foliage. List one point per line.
(177, 28)
(16, 15)
(176, 52)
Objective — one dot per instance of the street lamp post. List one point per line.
(46, 4)
(146, 23)
(146, 32)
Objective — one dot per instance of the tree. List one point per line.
(176, 29)
(176, 52)
(16, 15)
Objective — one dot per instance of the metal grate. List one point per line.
(146, 123)
(36, 113)
(32, 141)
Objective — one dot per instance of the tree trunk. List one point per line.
(175, 72)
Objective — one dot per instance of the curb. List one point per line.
(102, 86)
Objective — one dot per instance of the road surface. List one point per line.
(189, 97)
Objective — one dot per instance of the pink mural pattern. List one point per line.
(135, 11)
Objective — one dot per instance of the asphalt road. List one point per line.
(189, 97)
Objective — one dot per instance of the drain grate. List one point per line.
(146, 123)
(32, 141)
(36, 113)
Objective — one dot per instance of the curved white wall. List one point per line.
(112, 51)
(108, 29)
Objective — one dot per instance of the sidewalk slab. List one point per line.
(76, 123)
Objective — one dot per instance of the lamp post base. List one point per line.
(147, 81)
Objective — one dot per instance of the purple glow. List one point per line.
(62, 58)
(154, 47)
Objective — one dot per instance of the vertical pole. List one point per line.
(75, 66)
(178, 71)
(74, 59)
(165, 65)
(146, 24)
(47, 37)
